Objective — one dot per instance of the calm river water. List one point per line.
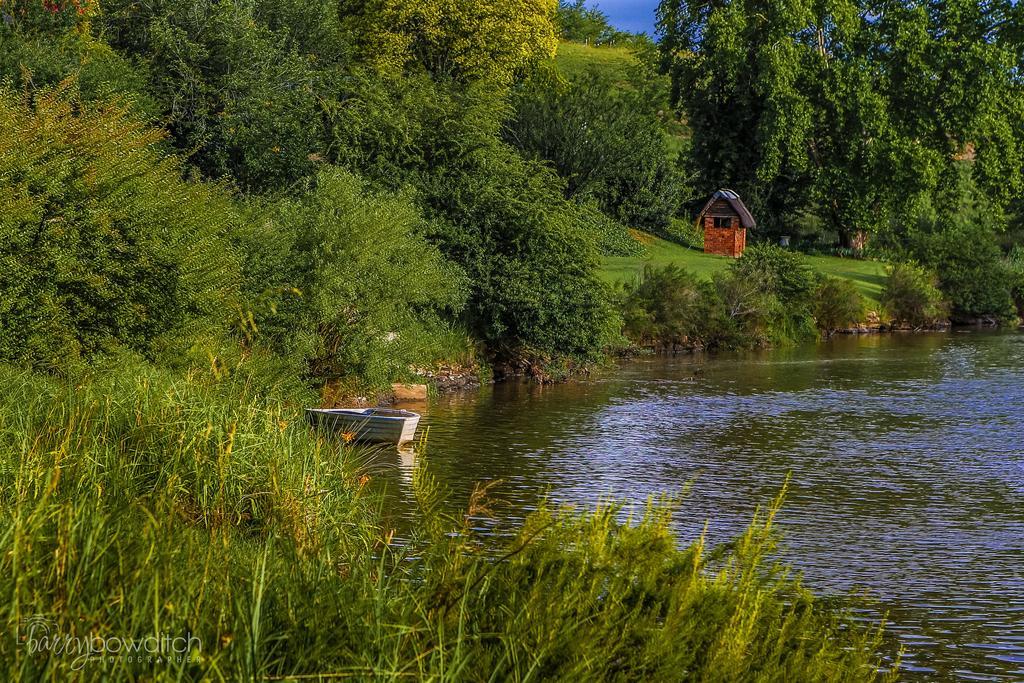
(906, 454)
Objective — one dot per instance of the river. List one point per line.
(906, 454)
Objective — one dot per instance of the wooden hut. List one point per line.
(726, 221)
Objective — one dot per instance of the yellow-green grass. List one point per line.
(868, 276)
(574, 59)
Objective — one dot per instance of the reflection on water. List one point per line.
(906, 453)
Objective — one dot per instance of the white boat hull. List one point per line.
(375, 425)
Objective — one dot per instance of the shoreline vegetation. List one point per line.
(140, 501)
(214, 213)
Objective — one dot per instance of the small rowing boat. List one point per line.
(381, 425)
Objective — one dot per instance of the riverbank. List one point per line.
(142, 504)
(907, 476)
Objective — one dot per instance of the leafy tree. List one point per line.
(579, 23)
(268, 95)
(531, 255)
(102, 244)
(462, 39)
(850, 109)
(237, 100)
(735, 71)
(535, 292)
(582, 24)
(603, 142)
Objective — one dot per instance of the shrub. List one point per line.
(777, 271)
(668, 306)
(30, 60)
(344, 282)
(957, 239)
(971, 271)
(685, 232)
(1015, 265)
(101, 242)
(787, 276)
(238, 99)
(612, 237)
(734, 313)
(837, 304)
(661, 307)
(911, 296)
(530, 255)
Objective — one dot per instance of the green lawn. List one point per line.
(574, 59)
(869, 276)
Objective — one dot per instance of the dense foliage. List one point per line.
(770, 296)
(855, 122)
(103, 243)
(268, 97)
(955, 236)
(462, 39)
(322, 273)
(850, 109)
(579, 23)
(604, 142)
(837, 305)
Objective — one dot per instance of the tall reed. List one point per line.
(141, 503)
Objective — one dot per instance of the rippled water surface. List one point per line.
(906, 453)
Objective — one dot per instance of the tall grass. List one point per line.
(140, 502)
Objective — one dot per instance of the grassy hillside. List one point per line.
(869, 276)
(575, 59)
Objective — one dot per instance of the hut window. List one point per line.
(723, 221)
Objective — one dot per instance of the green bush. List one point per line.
(239, 99)
(837, 305)
(661, 307)
(790, 279)
(670, 306)
(613, 238)
(734, 313)
(777, 271)
(1015, 266)
(344, 282)
(957, 238)
(911, 296)
(530, 255)
(687, 233)
(971, 271)
(102, 245)
(42, 61)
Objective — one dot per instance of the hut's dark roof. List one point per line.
(737, 205)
